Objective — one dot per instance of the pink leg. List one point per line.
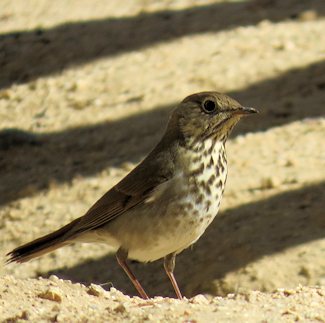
(121, 257)
(169, 264)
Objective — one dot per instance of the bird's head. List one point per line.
(207, 115)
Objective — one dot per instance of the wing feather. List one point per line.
(132, 190)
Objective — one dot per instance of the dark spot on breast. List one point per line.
(197, 171)
(189, 206)
(212, 147)
(211, 179)
(206, 153)
(193, 190)
(211, 162)
(204, 185)
(207, 189)
(199, 199)
(198, 148)
(220, 184)
(217, 170)
(208, 204)
(196, 159)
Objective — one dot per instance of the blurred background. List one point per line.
(85, 91)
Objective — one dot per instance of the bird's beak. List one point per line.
(244, 111)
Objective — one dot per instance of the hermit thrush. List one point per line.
(165, 204)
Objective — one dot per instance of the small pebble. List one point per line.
(51, 294)
(251, 296)
(54, 278)
(120, 308)
(269, 182)
(199, 299)
(290, 162)
(95, 290)
(288, 292)
(305, 272)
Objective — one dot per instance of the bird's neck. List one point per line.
(203, 155)
(205, 147)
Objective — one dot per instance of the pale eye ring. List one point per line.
(209, 106)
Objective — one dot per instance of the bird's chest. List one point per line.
(182, 209)
(205, 174)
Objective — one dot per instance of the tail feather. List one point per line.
(42, 245)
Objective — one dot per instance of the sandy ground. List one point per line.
(85, 91)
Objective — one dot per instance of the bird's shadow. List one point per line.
(236, 238)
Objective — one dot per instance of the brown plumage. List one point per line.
(165, 204)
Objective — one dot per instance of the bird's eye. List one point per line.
(209, 106)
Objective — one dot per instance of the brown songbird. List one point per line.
(166, 203)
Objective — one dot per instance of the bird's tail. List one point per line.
(42, 245)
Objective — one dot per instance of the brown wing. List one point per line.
(132, 190)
